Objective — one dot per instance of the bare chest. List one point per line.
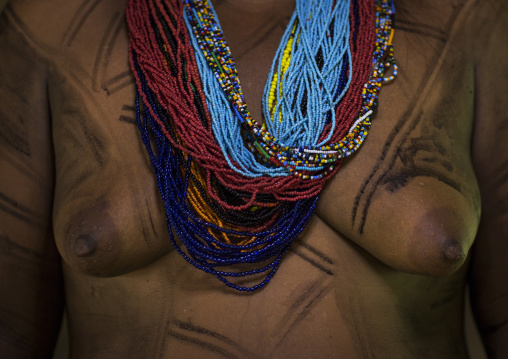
(413, 170)
(108, 215)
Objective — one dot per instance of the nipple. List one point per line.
(84, 246)
(441, 242)
(453, 251)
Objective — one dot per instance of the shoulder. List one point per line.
(487, 28)
(49, 24)
(32, 22)
(490, 49)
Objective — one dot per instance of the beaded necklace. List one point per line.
(236, 192)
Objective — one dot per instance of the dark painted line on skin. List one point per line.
(359, 322)
(313, 263)
(164, 339)
(316, 252)
(303, 313)
(121, 86)
(74, 20)
(200, 330)
(202, 344)
(81, 178)
(83, 19)
(100, 52)
(23, 168)
(380, 160)
(19, 216)
(391, 162)
(150, 217)
(24, 29)
(144, 228)
(117, 78)
(305, 294)
(145, 233)
(429, 159)
(10, 244)
(399, 180)
(309, 306)
(10, 135)
(447, 165)
(18, 206)
(95, 145)
(107, 58)
(129, 108)
(14, 141)
(127, 119)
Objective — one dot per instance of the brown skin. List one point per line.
(379, 272)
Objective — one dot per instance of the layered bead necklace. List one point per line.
(237, 193)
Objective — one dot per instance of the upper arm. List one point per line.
(30, 271)
(489, 274)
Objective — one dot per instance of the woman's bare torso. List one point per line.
(351, 287)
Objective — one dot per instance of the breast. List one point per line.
(424, 228)
(111, 223)
(108, 216)
(109, 235)
(410, 196)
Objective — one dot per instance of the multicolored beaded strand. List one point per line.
(211, 42)
(221, 217)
